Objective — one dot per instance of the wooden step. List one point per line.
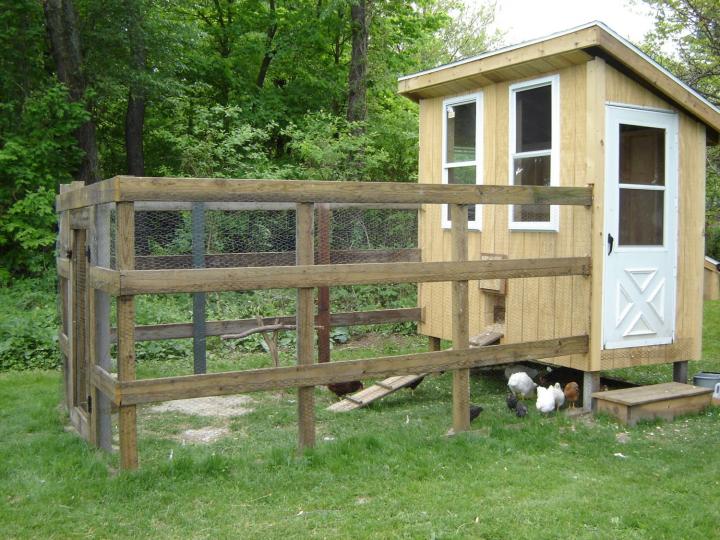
(666, 401)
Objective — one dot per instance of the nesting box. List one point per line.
(579, 108)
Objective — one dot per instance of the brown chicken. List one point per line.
(343, 388)
(572, 393)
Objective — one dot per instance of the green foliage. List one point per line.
(38, 153)
(29, 326)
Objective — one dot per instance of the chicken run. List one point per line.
(574, 243)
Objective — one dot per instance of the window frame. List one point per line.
(477, 98)
(553, 225)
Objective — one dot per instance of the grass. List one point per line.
(386, 471)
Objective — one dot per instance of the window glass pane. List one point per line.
(462, 175)
(641, 217)
(642, 155)
(533, 119)
(460, 132)
(532, 171)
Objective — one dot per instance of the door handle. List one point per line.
(611, 241)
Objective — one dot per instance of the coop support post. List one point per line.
(99, 327)
(460, 320)
(680, 372)
(198, 259)
(304, 253)
(591, 383)
(323, 318)
(127, 415)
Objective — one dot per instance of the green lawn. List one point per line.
(384, 472)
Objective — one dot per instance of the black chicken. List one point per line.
(475, 411)
(521, 410)
(413, 385)
(343, 388)
(511, 401)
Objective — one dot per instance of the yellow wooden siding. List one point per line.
(537, 308)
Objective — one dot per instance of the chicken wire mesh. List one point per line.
(222, 238)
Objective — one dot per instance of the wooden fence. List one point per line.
(87, 281)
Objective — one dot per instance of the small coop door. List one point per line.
(641, 209)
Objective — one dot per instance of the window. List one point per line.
(462, 149)
(534, 149)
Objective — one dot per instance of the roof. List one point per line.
(712, 264)
(574, 46)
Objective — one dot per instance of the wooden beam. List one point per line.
(104, 279)
(125, 245)
(595, 169)
(216, 384)
(63, 343)
(460, 319)
(63, 267)
(127, 188)
(305, 250)
(279, 277)
(155, 332)
(276, 258)
(164, 206)
(107, 383)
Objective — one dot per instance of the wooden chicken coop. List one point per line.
(579, 108)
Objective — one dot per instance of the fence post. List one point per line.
(323, 333)
(304, 255)
(198, 260)
(125, 246)
(100, 256)
(460, 319)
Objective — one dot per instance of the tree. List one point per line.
(62, 28)
(135, 114)
(357, 77)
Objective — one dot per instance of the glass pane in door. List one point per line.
(641, 217)
(642, 155)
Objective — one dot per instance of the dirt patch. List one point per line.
(218, 406)
(205, 435)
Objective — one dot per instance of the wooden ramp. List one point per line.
(390, 385)
(665, 401)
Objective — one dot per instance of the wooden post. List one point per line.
(680, 372)
(591, 383)
(323, 318)
(434, 343)
(460, 320)
(100, 256)
(125, 245)
(65, 309)
(198, 259)
(304, 254)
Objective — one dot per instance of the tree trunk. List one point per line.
(61, 21)
(357, 80)
(269, 51)
(135, 114)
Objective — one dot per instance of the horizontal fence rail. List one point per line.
(154, 332)
(215, 384)
(127, 188)
(132, 282)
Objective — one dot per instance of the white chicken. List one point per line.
(559, 396)
(521, 384)
(545, 400)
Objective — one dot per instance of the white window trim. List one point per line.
(554, 81)
(477, 97)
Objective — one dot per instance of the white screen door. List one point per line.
(641, 214)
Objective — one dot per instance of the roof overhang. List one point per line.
(574, 46)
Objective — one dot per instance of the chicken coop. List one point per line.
(579, 108)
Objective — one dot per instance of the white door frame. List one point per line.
(650, 261)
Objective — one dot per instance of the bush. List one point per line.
(29, 325)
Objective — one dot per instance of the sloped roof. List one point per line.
(574, 46)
